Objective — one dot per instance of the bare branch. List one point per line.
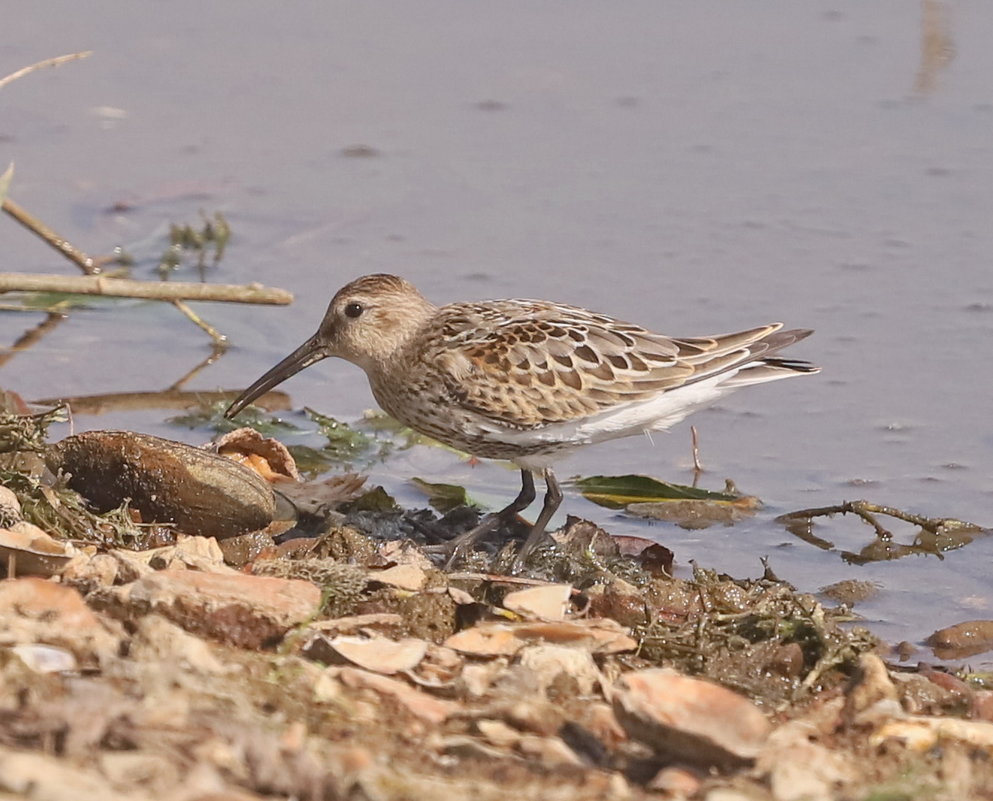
(85, 263)
(150, 290)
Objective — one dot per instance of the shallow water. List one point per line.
(697, 169)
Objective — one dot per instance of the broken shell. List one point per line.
(166, 481)
(43, 658)
(268, 457)
(548, 602)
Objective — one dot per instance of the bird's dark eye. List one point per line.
(353, 310)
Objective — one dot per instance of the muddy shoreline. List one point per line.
(347, 664)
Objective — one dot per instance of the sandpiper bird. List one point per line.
(526, 380)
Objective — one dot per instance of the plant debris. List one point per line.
(935, 535)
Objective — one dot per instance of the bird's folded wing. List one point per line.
(526, 364)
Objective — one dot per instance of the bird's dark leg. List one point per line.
(553, 497)
(459, 546)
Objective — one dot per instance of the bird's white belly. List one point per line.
(656, 414)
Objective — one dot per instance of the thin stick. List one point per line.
(220, 341)
(149, 290)
(161, 399)
(498, 578)
(867, 511)
(62, 245)
(56, 308)
(48, 62)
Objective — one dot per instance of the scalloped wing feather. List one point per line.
(527, 364)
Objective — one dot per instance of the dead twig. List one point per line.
(149, 290)
(220, 341)
(498, 578)
(172, 398)
(85, 263)
(867, 511)
(48, 62)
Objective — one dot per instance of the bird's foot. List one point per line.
(535, 539)
(456, 549)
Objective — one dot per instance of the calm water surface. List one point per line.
(695, 168)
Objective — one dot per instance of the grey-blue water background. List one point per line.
(695, 167)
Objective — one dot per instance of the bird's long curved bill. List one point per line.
(309, 352)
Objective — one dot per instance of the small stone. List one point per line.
(241, 550)
(327, 688)
(535, 715)
(196, 553)
(904, 650)
(982, 705)
(800, 769)
(851, 591)
(245, 610)
(870, 686)
(618, 600)
(99, 570)
(158, 640)
(354, 760)
(419, 704)
(38, 610)
(404, 552)
(602, 723)
(962, 640)
(478, 679)
(548, 662)
(131, 565)
(676, 781)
